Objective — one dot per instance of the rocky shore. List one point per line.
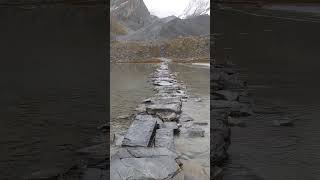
(229, 105)
(147, 150)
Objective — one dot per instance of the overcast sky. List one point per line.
(164, 8)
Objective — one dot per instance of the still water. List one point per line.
(130, 84)
(280, 60)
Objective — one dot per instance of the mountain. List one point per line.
(132, 21)
(172, 27)
(133, 14)
(196, 8)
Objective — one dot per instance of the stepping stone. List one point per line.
(164, 138)
(140, 131)
(154, 108)
(167, 116)
(171, 125)
(145, 168)
(144, 152)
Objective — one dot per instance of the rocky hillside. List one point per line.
(193, 48)
(137, 35)
(171, 27)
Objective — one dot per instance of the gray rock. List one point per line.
(171, 125)
(154, 108)
(195, 132)
(167, 116)
(145, 168)
(164, 138)
(143, 152)
(140, 132)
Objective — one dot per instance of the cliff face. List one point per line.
(131, 13)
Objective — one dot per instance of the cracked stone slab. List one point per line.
(158, 168)
(140, 132)
(144, 152)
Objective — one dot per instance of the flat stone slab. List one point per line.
(144, 152)
(140, 132)
(158, 168)
(164, 138)
(154, 108)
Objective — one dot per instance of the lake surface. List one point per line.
(130, 84)
(280, 60)
(52, 87)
